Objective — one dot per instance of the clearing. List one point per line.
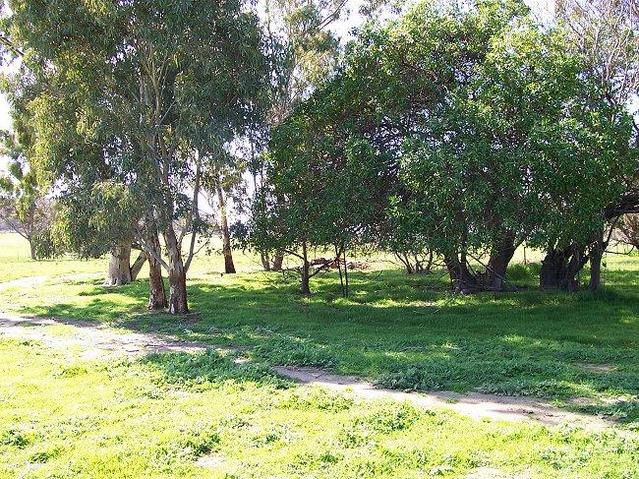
(93, 386)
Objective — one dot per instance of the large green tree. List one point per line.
(137, 92)
(605, 34)
(490, 132)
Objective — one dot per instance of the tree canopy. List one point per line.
(482, 128)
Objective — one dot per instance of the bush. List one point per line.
(524, 272)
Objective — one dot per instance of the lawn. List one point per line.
(204, 416)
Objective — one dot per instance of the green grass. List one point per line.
(136, 420)
(400, 331)
(158, 417)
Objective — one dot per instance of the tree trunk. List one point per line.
(462, 279)
(157, 294)
(119, 271)
(405, 260)
(278, 259)
(560, 267)
(266, 261)
(305, 287)
(595, 270)
(137, 265)
(229, 267)
(178, 303)
(32, 248)
(500, 257)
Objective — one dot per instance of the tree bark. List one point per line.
(278, 260)
(119, 270)
(32, 248)
(462, 279)
(500, 256)
(266, 261)
(305, 287)
(560, 267)
(157, 294)
(178, 303)
(137, 265)
(229, 266)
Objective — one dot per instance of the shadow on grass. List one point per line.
(409, 332)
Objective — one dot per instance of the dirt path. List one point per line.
(28, 282)
(475, 405)
(90, 340)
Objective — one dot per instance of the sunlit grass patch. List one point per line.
(180, 415)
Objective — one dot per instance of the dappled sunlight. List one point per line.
(406, 332)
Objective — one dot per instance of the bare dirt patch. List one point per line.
(93, 340)
(29, 282)
(597, 368)
(490, 473)
(475, 405)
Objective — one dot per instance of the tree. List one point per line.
(138, 80)
(470, 168)
(323, 187)
(99, 220)
(605, 34)
(23, 206)
(302, 53)
(224, 176)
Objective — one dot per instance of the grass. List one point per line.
(156, 417)
(177, 415)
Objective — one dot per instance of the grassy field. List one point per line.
(204, 416)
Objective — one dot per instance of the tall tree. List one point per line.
(223, 178)
(140, 78)
(302, 52)
(23, 205)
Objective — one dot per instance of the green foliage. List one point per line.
(24, 206)
(44, 245)
(129, 102)
(480, 126)
(91, 222)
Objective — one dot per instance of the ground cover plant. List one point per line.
(204, 416)
(401, 332)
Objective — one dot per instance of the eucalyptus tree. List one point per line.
(223, 179)
(134, 81)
